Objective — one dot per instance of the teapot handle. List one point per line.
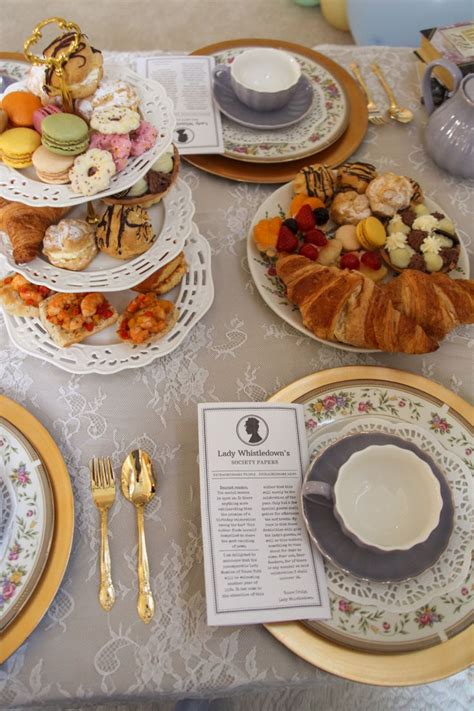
(426, 83)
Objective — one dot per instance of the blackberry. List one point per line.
(291, 224)
(321, 215)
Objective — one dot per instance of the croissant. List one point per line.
(25, 226)
(346, 306)
(435, 301)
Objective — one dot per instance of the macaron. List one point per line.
(3, 120)
(65, 134)
(20, 107)
(371, 233)
(17, 146)
(41, 114)
(51, 167)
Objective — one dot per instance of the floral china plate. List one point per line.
(321, 127)
(272, 290)
(27, 508)
(172, 223)
(104, 353)
(437, 604)
(231, 106)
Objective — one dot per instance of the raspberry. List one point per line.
(372, 260)
(287, 241)
(309, 251)
(305, 218)
(291, 224)
(316, 237)
(321, 215)
(349, 261)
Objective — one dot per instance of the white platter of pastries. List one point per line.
(108, 332)
(128, 243)
(122, 123)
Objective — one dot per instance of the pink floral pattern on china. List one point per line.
(322, 126)
(366, 625)
(29, 530)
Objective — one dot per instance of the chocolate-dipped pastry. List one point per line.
(355, 176)
(315, 181)
(82, 71)
(124, 231)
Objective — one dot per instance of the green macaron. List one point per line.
(65, 134)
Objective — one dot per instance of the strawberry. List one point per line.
(316, 237)
(309, 251)
(372, 260)
(287, 241)
(349, 261)
(305, 218)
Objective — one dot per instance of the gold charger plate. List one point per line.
(334, 155)
(42, 596)
(400, 669)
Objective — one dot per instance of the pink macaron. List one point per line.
(42, 113)
(143, 138)
(118, 144)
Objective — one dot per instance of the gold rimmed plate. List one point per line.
(239, 163)
(436, 638)
(45, 588)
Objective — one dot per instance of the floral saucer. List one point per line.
(231, 106)
(27, 511)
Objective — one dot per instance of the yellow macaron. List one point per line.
(371, 233)
(17, 146)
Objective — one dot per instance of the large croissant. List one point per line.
(346, 306)
(435, 301)
(25, 226)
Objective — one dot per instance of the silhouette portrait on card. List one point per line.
(251, 427)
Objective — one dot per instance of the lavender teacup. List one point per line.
(263, 78)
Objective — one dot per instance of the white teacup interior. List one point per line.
(388, 497)
(266, 70)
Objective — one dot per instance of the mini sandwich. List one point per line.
(166, 278)
(147, 319)
(20, 298)
(70, 318)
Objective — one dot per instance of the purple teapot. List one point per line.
(449, 135)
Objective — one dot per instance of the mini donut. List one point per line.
(143, 138)
(349, 208)
(116, 119)
(118, 144)
(389, 193)
(92, 172)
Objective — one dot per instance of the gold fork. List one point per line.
(375, 116)
(103, 493)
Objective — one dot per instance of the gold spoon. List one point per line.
(396, 112)
(139, 487)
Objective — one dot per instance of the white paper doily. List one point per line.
(104, 353)
(172, 222)
(450, 571)
(155, 106)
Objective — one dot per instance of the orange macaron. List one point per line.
(20, 107)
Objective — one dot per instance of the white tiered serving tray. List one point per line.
(23, 186)
(172, 222)
(104, 353)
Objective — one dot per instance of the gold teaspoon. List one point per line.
(396, 112)
(139, 487)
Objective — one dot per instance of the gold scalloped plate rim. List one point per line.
(386, 669)
(41, 598)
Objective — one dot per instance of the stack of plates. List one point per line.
(327, 131)
(415, 630)
(37, 523)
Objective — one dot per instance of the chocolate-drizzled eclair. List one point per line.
(315, 181)
(355, 176)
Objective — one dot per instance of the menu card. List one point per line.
(258, 560)
(188, 83)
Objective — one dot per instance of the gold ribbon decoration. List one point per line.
(56, 63)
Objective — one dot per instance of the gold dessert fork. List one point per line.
(396, 112)
(103, 493)
(375, 116)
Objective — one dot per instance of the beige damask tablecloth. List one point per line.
(241, 350)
